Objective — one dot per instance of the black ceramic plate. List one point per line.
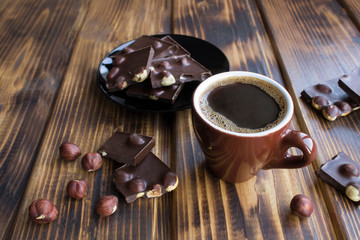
(204, 52)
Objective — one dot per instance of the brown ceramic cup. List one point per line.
(238, 156)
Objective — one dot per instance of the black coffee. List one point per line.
(244, 104)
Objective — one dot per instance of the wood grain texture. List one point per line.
(83, 115)
(314, 42)
(352, 7)
(36, 41)
(258, 209)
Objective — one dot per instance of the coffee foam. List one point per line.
(223, 122)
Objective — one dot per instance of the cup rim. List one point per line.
(220, 76)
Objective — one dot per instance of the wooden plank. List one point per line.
(314, 41)
(36, 41)
(83, 115)
(207, 208)
(352, 7)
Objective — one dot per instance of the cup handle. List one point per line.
(297, 139)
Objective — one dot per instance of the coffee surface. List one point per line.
(244, 105)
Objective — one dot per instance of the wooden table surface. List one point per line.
(49, 54)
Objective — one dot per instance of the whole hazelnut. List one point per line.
(349, 170)
(69, 151)
(42, 211)
(77, 189)
(91, 162)
(302, 205)
(107, 205)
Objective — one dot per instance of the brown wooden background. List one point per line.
(49, 53)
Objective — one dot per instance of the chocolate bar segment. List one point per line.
(343, 174)
(176, 70)
(330, 99)
(163, 94)
(129, 69)
(150, 178)
(161, 48)
(351, 85)
(127, 148)
(180, 51)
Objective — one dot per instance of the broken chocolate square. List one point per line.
(176, 70)
(150, 178)
(343, 174)
(164, 94)
(161, 48)
(330, 99)
(129, 148)
(351, 85)
(180, 51)
(129, 69)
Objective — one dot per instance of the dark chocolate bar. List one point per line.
(176, 70)
(150, 178)
(180, 51)
(351, 85)
(161, 48)
(330, 99)
(129, 69)
(127, 148)
(145, 91)
(343, 174)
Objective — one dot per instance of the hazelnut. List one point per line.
(122, 175)
(107, 205)
(91, 162)
(349, 170)
(137, 185)
(140, 77)
(302, 205)
(353, 192)
(135, 139)
(77, 189)
(42, 211)
(167, 79)
(170, 181)
(69, 151)
(155, 192)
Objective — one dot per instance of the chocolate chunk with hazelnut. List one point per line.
(330, 99)
(150, 178)
(129, 148)
(91, 162)
(107, 205)
(77, 188)
(343, 174)
(42, 211)
(69, 151)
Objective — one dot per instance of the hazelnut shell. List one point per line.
(91, 162)
(302, 205)
(107, 205)
(77, 189)
(69, 151)
(42, 211)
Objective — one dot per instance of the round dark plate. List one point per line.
(202, 51)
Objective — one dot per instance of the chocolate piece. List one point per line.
(161, 48)
(351, 85)
(150, 178)
(164, 94)
(129, 68)
(180, 51)
(176, 70)
(330, 99)
(343, 174)
(127, 148)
